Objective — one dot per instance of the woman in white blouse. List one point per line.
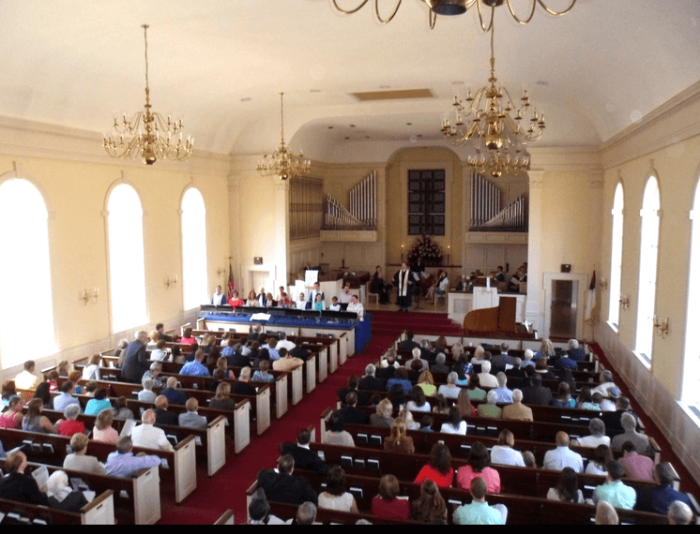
(504, 454)
(566, 489)
(335, 497)
(455, 424)
(92, 369)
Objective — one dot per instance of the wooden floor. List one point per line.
(426, 306)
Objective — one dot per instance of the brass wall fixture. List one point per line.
(662, 327)
(624, 302)
(170, 281)
(603, 284)
(88, 294)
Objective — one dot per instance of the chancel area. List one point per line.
(587, 219)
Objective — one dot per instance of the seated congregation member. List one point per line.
(542, 369)
(222, 400)
(398, 441)
(478, 512)
(597, 437)
(566, 489)
(148, 436)
(187, 338)
(27, 380)
(605, 514)
(400, 379)
(598, 465)
(407, 417)
(536, 393)
(335, 305)
(304, 457)
(454, 424)
(679, 513)
(659, 499)
(43, 392)
(503, 453)
(61, 495)
(640, 441)
(504, 395)
(259, 511)
(614, 491)
(103, 431)
(196, 367)
(416, 355)
(8, 391)
(565, 363)
(124, 464)
(562, 456)
(192, 419)
(336, 497)
(438, 469)
(464, 404)
(517, 411)
(12, 417)
(635, 465)
(574, 352)
(585, 400)
(370, 382)
(439, 365)
(430, 507)
(63, 368)
(92, 370)
(65, 397)
(606, 382)
(263, 355)
(450, 390)
(146, 394)
(163, 416)
(16, 486)
(418, 402)
(427, 383)
(408, 343)
(136, 361)
(613, 420)
(475, 391)
(489, 409)
(386, 505)
(262, 374)
(242, 386)
(154, 372)
(98, 403)
(336, 435)
(121, 412)
(563, 397)
(351, 414)
(283, 486)
(286, 362)
(159, 354)
(478, 466)
(34, 421)
(70, 425)
(383, 416)
(79, 460)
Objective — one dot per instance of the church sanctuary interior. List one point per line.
(601, 211)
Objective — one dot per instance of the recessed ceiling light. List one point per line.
(352, 126)
(246, 99)
(457, 83)
(419, 135)
(347, 138)
(330, 127)
(409, 124)
(385, 86)
(314, 90)
(366, 136)
(542, 83)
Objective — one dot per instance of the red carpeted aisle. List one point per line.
(227, 488)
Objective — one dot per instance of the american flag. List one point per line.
(231, 285)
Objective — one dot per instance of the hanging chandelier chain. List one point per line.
(145, 39)
(282, 115)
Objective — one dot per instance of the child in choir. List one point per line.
(335, 306)
(318, 303)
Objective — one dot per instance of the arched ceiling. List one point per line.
(221, 64)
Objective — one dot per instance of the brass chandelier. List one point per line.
(151, 136)
(283, 163)
(458, 7)
(497, 137)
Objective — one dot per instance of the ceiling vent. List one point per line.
(405, 94)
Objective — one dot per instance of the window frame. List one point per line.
(427, 204)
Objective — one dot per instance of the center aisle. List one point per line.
(227, 489)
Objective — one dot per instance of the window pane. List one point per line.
(194, 250)
(616, 257)
(24, 273)
(691, 366)
(426, 196)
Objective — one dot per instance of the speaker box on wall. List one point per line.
(566, 268)
(258, 260)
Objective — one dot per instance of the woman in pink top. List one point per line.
(103, 431)
(478, 468)
(12, 418)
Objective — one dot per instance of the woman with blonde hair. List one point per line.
(427, 383)
(63, 368)
(103, 431)
(92, 369)
(383, 417)
(456, 350)
(464, 404)
(222, 365)
(222, 400)
(398, 441)
(154, 336)
(546, 350)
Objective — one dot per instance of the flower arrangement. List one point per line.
(426, 250)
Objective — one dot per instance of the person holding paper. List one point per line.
(16, 486)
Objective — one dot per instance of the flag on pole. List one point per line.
(591, 300)
(231, 285)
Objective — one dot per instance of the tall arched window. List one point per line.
(194, 249)
(691, 365)
(26, 307)
(648, 258)
(616, 257)
(126, 260)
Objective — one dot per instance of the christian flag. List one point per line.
(231, 285)
(590, 300)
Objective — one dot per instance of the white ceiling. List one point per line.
(592, 73)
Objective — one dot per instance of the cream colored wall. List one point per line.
(75, 193)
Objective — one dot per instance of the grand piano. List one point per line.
(496, 322)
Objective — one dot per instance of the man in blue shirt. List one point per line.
(478, 512)
(196, 367)
(659, 499)
(123, 463)
(65, 398)
(504, 395)
(614, 491)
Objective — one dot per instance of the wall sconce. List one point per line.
(662, 326)
(624, 302)
(603, 284)
(170, 281)
(86, 295)
(220, 271)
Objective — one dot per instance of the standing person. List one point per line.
(346, 297)
(403, 280)
(317, 291)
(136, 361)
(219, 298)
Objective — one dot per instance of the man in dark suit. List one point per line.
(160, 328)
(255, 334)
(172, 394)
(388, 372)
(535, 393)
(17, 486)
(353, 382)
(283, 486)
(241, 386)
(499, 361)
(238, 360)
(613, 420)
(304, 457)
(351, 414)
(408, 343)
(163, 416)
(370, 382)
(575, 353)
(136, 361)
(299, 352)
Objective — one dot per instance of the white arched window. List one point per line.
(616, 257)
(648, 258)
(194, 250)
(26, 307)
(691, 366)
(126, 259)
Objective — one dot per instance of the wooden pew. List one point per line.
(99, 512)
(135, 500)
(226, 519)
